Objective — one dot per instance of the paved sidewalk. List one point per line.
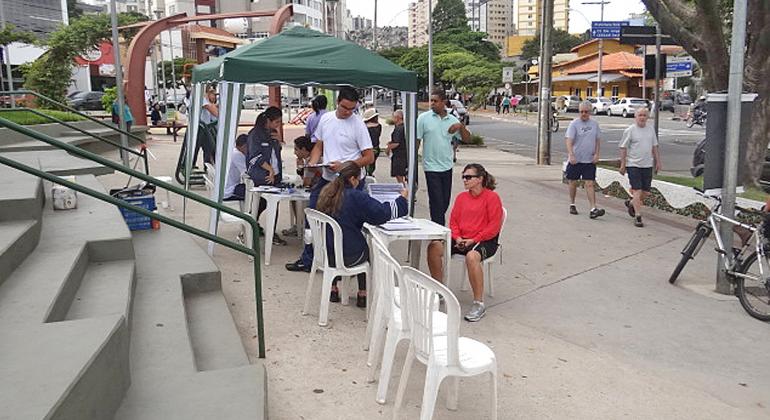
(584, 322)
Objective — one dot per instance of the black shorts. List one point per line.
(398, 166)
(640, 178)
(485, 248)
(578, 171)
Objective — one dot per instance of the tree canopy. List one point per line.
(50, 74)
(9, 35)
(449, 14)
(563, 42)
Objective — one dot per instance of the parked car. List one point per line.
(175, 101)
(534, 103)
(249, 102)
(627, 107)
(465, 118)
(571, 103)
(599, 105)
(91, 100)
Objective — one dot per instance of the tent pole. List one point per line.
(409, 100)
(191, 136)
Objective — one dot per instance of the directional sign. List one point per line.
(679, 67)
(606, 29)
(642, 35)
(507, 74)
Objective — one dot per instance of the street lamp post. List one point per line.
(430, 46)
(119, 82)
(601, 47)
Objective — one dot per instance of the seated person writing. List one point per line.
(302, 148)
(475, 221)
(351, 208)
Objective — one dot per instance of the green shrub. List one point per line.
(476, 140)
(110, 94)
(22, 117)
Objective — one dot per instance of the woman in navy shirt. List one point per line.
(352, 208)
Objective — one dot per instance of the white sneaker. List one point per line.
(478, 310)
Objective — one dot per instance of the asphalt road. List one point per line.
(519, 136)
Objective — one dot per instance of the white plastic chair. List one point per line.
(448, 355)
(210, 178)
(318, 227)
(390, 315)
(370, 180)
(486, 264)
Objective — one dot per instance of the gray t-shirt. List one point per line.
(584, 135)
(639, 142)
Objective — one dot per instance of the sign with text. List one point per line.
(679, 67)
(605, 29)
(507, 74)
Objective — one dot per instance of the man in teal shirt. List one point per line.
(436, 129)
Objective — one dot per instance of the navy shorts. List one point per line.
(578, 171)
(640, 178)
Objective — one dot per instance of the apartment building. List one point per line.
(528, 16)
(418, 23)
(499, 21)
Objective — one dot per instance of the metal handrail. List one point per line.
(253, 252)
(142, 154)
(71, 109)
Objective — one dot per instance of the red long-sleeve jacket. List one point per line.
(478, 218)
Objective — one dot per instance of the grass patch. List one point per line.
(682, 180)
(754, 194)
(23, 117)
(476, 140)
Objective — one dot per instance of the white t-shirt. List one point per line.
(206, 116)
(343, 140)
(234, 172)
(639, 142)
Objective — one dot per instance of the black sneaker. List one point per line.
(334, 296)
(572, 209)
(630, 208)
(361, 301)
(298, 266)
(596, 213)
(277, 240)
(638, 222)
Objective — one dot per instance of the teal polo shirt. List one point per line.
(433, 130)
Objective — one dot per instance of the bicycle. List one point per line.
(748, 267)
(554, 122)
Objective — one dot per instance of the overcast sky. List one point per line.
(394, 12)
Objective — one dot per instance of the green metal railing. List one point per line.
(142, 154)
(253, 251)
(73, 110)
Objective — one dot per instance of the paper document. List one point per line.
(385, 193)
(400, 224)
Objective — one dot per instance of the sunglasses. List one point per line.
(469, 177)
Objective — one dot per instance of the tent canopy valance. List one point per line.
(302, 57)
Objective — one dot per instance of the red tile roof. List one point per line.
(620, 61)
(209, 30)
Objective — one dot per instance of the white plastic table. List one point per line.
(427, 231)
(273, 199)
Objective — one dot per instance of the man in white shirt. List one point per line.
(234, 188)
(639, 154)
(340, 137)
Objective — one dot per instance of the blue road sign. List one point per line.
(607, 29)
(679, 69)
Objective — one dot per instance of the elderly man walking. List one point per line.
(583, 140)
(639, 154)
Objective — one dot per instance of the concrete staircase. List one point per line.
(97, 323)
(11, 141)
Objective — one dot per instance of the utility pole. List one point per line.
(7, 57)
(658, 70)
(173, 70)
(601, 48)
(159, 14)
(732, 140)
(119, 82)
(430, 46)
(374, 39)
(545, 112)
(644, 71)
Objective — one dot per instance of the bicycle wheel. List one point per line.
(688, 253)
(754, 294)
(690, 122)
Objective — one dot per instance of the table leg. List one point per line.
(299, 206)
(447, 258)
(272, 216)
(415, 250)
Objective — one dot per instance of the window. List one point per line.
(615, 91)
(589, 92)
(577, 93)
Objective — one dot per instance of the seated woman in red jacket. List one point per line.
(475, 222)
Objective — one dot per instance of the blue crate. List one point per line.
(136, 221)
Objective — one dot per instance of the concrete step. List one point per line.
(59, 162)
(21, 195)
(17, 239)
(187, 359)
(64, 315)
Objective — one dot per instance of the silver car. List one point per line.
(627, 107)
(599, 105)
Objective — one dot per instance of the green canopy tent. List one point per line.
(296, 57)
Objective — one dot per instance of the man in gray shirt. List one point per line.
(639, 153)
(583, 138)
